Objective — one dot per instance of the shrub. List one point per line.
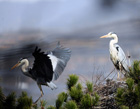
(74, 98)
(61, 98)
(51, 107)
(86, 101)
(96, 98)
(2, 98)
(71, 81)
(10, 101)
(24, 102)
(89, 86)
(76, 92)
(71, 105)
(43, 104)
(129, 96)
(134, 72)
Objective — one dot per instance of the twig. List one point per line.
(107, 75)
(114, 76)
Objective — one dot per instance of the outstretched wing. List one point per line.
(42, 68)
(59, 58)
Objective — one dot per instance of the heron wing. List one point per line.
(121, 57)
(42, 68)
(59, 58)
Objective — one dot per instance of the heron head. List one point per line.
(18, 63)
(109, 35)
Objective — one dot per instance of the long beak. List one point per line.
(105, 36)
(15, 66)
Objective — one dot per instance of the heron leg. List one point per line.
(118, 75)
(41, 93)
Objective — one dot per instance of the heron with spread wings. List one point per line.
(117, 55)
(47, 67)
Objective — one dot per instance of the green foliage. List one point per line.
(79, 86)
(135, 72)
(61, 98)
(24, 102)
(74, 98)
(96, 98)
(137, 91)
(89, 86)
(71, 81)
(79, 99)
(76, 92)
(137, 106)
(130, 84)
(51, 107)
(89, 101)
(71, 105)
(86, 101)
(124, 107)
(43, 103)
(10, 101)
(2, 98)
(126, 97)
(119, 95)
(129, 96)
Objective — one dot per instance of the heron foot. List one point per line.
(51, 85)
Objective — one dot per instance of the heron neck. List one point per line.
(25, 66)
(114, 40)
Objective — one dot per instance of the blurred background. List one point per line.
(77, 24)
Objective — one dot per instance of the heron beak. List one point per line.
(105, 36)
(15, 66)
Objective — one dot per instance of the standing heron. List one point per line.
(47, 66)
(117, 55)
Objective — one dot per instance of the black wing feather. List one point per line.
(42, 70)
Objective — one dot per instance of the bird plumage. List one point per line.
(47, 66)
(60, 56)
(117, 55)
(42, 70)
(118, 58)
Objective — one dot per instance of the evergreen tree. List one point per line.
(70, 105)
(129, 95)
(2, 98)
(24, 102)
(62, 97)
(10, 101)
(71, 81)
(76, 92)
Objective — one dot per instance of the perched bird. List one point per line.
(47, 66)
(117, 55)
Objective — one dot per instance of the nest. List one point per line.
(107, 93)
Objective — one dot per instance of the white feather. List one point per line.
(54, 61)
(59, 58)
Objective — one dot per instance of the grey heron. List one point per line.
(47, 67)
(117, 55)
